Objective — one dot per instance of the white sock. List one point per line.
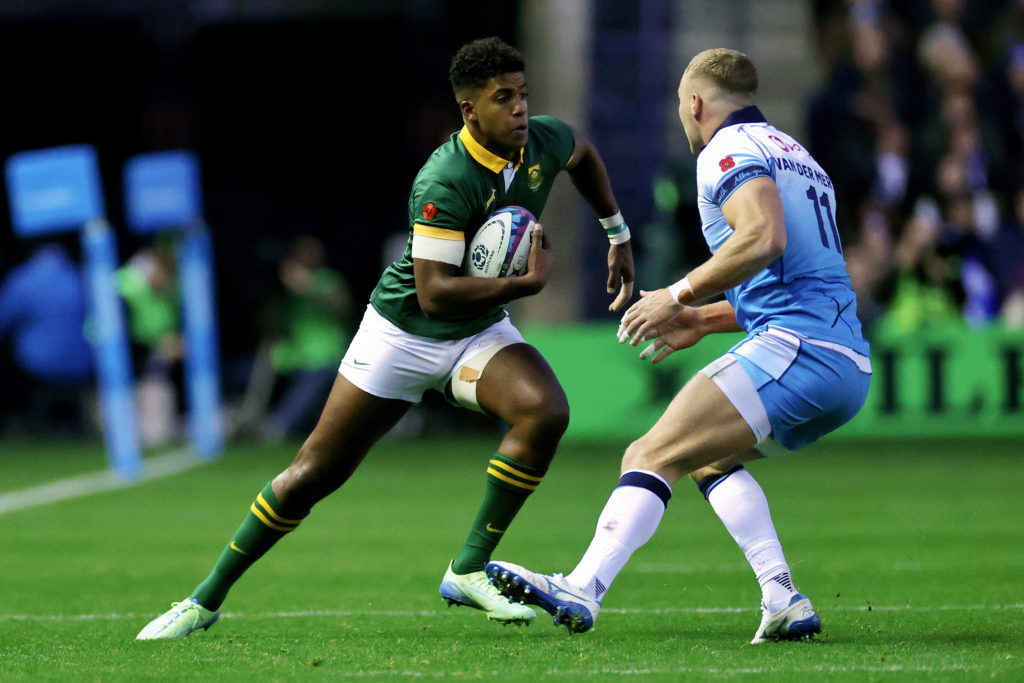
(741, 505)
(629, 519)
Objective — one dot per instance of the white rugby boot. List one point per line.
(474, 590)
(182, 619)
(795, 621)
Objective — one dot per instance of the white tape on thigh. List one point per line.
(729, 376)
(469, 373)
(770, 448)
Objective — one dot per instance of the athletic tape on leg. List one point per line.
(468, 374)
(730, 377)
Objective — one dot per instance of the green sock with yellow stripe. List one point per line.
(509, 482)
(268, 520)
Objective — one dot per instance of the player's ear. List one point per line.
(467, 109)
(696, 105)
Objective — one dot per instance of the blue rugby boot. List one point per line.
(568, 604)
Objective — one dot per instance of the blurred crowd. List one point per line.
(919, 120)
(277, 391)
(920, 123)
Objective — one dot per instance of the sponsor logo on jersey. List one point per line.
(429, 211)
(739, 177)
(534, 177)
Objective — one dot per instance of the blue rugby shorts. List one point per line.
(817, 391)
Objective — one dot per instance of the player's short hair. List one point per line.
(477, 62)
(730, 70)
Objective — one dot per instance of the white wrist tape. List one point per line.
(678, 288)
(615, 227)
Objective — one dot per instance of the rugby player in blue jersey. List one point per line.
(768, 215)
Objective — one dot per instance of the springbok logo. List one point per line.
(534, 178)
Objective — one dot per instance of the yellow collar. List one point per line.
(484, 156)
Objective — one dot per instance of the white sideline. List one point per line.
(113, 616)
(95, 482)
(714, 671)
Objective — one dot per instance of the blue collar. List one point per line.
(749, 114)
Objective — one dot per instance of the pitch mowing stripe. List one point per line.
(83, 485)
(434, 613)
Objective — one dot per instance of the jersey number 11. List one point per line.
(823, 203)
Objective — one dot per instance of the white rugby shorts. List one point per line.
(386, 361)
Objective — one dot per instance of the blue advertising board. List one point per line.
(162, 191)
(53, 190)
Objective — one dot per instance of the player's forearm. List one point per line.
(469, 295)
(742, 257)
(591, 180)
(719, 316)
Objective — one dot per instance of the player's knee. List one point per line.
(557, 414)
(638, 457)
(548, 419)
(646, 454)
(541, 410)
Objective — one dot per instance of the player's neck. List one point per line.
(510, 155)
(719, 116)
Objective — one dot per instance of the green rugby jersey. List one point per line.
(460, 185)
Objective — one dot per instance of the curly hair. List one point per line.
(480, 60)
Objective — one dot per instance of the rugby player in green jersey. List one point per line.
(430, 327)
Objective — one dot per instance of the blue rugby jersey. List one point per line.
(807, 289)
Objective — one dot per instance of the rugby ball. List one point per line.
(501, 247)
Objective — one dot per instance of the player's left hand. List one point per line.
(641, 321)
(681, 332)
(620, 274)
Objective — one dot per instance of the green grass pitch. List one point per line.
(913, 553)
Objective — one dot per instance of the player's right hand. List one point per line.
(620, 270)
(641, 321)
(542, 257)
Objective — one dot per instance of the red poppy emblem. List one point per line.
(726, 163)
(429, 211)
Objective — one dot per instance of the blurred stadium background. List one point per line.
(309, 120)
